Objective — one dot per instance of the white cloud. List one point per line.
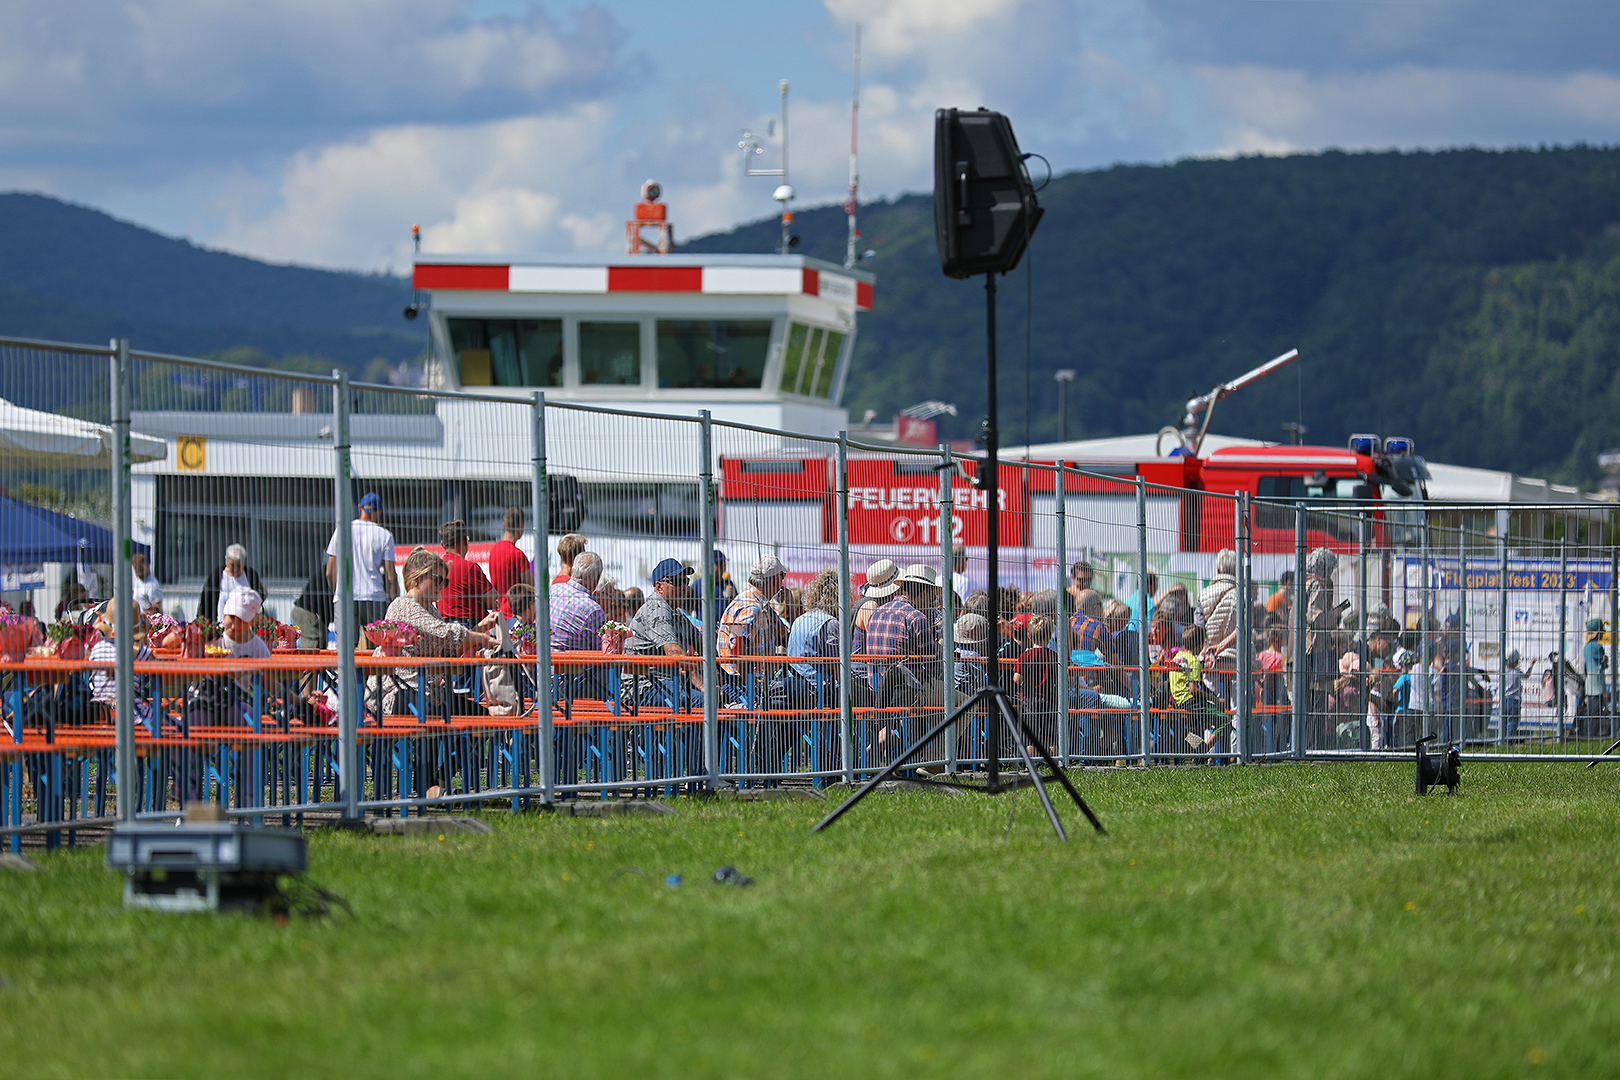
(497, 186)
(1272, 110)
(202, 78)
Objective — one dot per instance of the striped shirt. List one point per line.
(576, 618)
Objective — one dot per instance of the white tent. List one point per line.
(33, 439)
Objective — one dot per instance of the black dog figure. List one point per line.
(1435, 771)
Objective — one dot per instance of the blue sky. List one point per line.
(318, 132)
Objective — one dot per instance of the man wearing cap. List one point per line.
(658, 629)
(899, 628)
(372, 580)
(750, 626)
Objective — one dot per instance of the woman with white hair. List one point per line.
(233, 574)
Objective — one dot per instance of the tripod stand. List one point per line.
(1000, 709)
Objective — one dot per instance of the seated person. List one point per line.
(750, 627)
(507, 684)
(577, 618)
(1092, 641)
(396, 690)
(659, 628)
(815, 633)
(972, 630)
(104, 682)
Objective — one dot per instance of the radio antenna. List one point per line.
(850, 256)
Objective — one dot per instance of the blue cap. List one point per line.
(371, 502)
(669, 568)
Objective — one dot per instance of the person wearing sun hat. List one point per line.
(971, 632)
(879, 587)
(900, 628)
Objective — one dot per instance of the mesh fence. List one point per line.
(707, 603)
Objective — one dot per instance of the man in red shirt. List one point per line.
(468, 597)
(507, 564)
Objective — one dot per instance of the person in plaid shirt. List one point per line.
(576, 623)
(1091, 637)
(750, 626)
(899, 628)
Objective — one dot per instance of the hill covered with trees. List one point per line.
(1467, 298)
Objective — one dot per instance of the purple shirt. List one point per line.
(576, 618)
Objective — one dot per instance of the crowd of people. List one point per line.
(1368, 683)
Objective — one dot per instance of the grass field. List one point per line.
(1309, 921)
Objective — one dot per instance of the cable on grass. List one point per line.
(303, 898)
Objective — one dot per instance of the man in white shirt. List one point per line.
(373, 580)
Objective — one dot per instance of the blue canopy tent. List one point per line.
(30, 534)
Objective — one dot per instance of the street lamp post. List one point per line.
(1064, 377)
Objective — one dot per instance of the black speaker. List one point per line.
(984, 205)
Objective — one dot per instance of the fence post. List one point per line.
(1361, 573)
(947, 594)
(846, 711)
(540, 510)
(343, 601)
(711, 618)
(1065, 751)
(1502, 633)
(1301, 679)
(123, 585)
(1461, 728)
(1563, 627)
(1245, 636)
(1144, 694)
(1426, 640)
(1614, 635)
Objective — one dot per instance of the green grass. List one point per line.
(1310, 921)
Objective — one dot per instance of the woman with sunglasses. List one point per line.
(426, 575)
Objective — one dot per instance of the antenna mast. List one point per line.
(850, 258)
(784, 191)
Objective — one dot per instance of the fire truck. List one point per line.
(894, 500)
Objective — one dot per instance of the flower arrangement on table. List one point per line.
(162, 630)
(523, 638)
(69, 640)
(18, 633)
(613, 636)
(391, 637)
(274, 634)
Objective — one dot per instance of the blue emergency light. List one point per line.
(1399, 446)
(1365, 445)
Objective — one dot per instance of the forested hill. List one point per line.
(73, 273)
(1470, 299)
